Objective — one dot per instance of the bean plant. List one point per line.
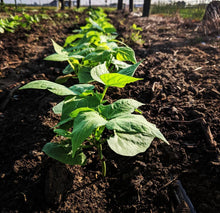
(136, 35)
(25, 21)
(94, 55)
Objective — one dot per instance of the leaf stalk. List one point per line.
(102, 160)
(103, 94)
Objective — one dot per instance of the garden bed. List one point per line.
(181, 94)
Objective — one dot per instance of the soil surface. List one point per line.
(181, 93)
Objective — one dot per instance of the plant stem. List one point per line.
(102, 160)
(71, 64)
(103, 94)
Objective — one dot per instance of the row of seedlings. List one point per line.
(95, 55)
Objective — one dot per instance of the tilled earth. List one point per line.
(181, 93)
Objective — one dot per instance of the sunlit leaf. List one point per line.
(97, 71)
(57, 57)
(130, 70)
(55, 88)
(119, 108)
(125, 54)
(129, 144)
(133, 124)
(117, 79)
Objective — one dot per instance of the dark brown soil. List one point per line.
(181, 93)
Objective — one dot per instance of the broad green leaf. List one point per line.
(59, 50)
(111, 44)
(63, 153)
(58, 108)
(84, 42)
(75, 103)
(55, 88)
(130, 70)
(79, 46)
(95, 25)
(100, 56)
(97, 71)
(133, 124)
(118, 108)
(96, 34)
(75, 56)
(84, 75)
(102, 47)
(117, 79)
(70, 39)
(86, 51)
(108, 28)
(104, 38)
(125, 54)
(84, 124)
(2, 30)
(68, 69)
(74, 113)
(120, 64)
(81, 88)
(57, 57)
(129, 144)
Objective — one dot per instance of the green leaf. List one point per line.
(51, 86)
(83, 43)
(129, 144)
(75, 103)
(58, 108)
(130, 70)
(111, 44)
(86, 51)
(100, 56)
(74, 113)
(125, 54)
(108, 28)
(59, 50)
(120, 64)
(57, 57)
(97, 71)
(2, 30)
(84, 124)
(63, 153)
(75, 56)
(118, 108)
(81, 88)
(68, 69)
(70, 39)
(95, 25)
(117, 79)
(84, 75)
(133, 124)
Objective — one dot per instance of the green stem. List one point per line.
(71, 64)
(102, 160)
(103, 94)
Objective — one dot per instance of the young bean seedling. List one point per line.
(85, 114)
